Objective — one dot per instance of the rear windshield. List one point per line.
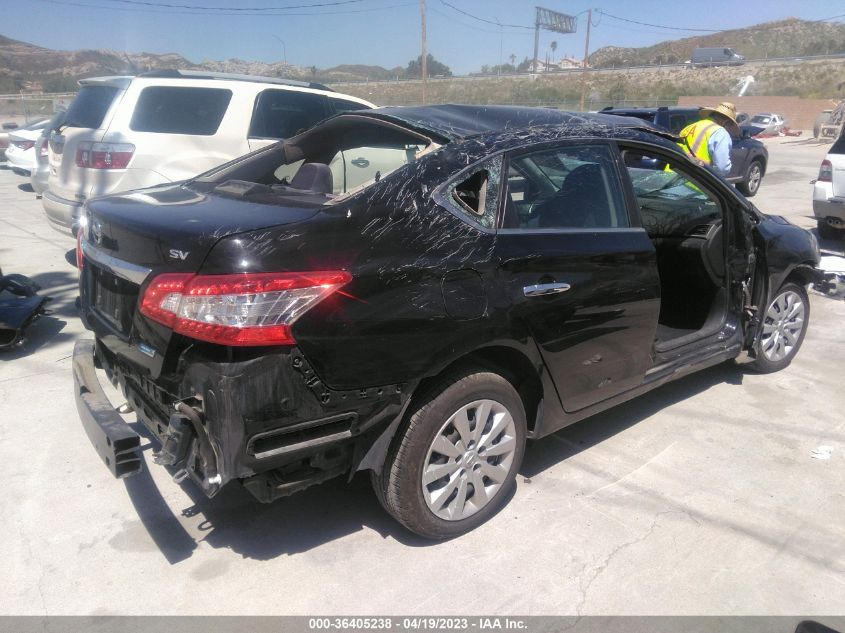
(175, 110)
(89, 107)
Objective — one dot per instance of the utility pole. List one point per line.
(424, 58)
(536, 40)
(586, 52)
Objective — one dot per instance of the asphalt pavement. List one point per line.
(710, 495)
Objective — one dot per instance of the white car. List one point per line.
(829, 193)
(20, 154)
(123, 133)
(766, 123)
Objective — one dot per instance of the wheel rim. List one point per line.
(754, 177)
(469, 460)
(782, 326)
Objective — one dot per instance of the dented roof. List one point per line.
(455, 122)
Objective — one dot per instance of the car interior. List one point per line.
(685, 224)
(574, 188)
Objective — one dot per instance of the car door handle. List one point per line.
(540, 290)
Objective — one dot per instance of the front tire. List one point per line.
(784, 326)
(454, 460)
(753, 177)
(827, 232)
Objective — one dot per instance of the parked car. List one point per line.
(41, 173)
(716, 56)
(20, 154)
(514, 270)
(765, 123)
(124, 133)
(749, 157)
(829, 193)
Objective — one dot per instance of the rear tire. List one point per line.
(750, 185)
(784, 326)
(827, 232)
(453, 461)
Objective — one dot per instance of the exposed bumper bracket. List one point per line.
(115, 443)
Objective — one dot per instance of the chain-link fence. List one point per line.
(25, 108)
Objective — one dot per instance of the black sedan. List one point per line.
(416, 292)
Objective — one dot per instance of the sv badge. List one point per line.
(183, 255)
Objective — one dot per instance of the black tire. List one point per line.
(765, 365)
(827, 232)
(750, 184)
(399, 484)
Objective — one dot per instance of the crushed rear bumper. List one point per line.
(115, 442)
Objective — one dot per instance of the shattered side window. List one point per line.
(477, 194)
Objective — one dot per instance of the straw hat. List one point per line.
(726, 109)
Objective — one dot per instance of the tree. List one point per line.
(434, 67)
(553, 46)
(513, 59)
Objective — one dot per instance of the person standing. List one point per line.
(709, 141)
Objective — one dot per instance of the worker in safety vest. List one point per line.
(708, 141)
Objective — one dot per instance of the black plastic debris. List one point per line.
(20, 305)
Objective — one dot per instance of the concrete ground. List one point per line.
(702, 497)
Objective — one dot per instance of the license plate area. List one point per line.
(114, 299)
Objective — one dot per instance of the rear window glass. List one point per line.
(175, 110)
(89, 107)
(285, 113)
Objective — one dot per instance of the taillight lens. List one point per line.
(242, 309)
(104, 155)
(24, 145)
(43, 149)
(826, 172)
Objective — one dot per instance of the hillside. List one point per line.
(820, 79)
(57, 71)
(786, 38)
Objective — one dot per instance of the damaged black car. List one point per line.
(417, 292)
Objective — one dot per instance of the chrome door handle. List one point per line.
(539, 290)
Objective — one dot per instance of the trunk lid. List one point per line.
(171, 228)
(132, 237)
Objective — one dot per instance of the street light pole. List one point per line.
(424, 59)
(284, 48)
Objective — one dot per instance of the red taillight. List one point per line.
(826, 172)
(104, 155)
(242, 309)
(24, 145)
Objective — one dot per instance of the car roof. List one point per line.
(123, 81)
(455, 122)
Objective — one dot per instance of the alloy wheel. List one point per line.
(782, 326)
(469, 459)
(754, 177)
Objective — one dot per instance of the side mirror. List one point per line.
(746, 133)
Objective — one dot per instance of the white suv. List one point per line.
(829, 193)
(123, 133)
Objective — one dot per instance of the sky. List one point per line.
(378, 32)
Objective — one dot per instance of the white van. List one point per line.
(124, 133)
